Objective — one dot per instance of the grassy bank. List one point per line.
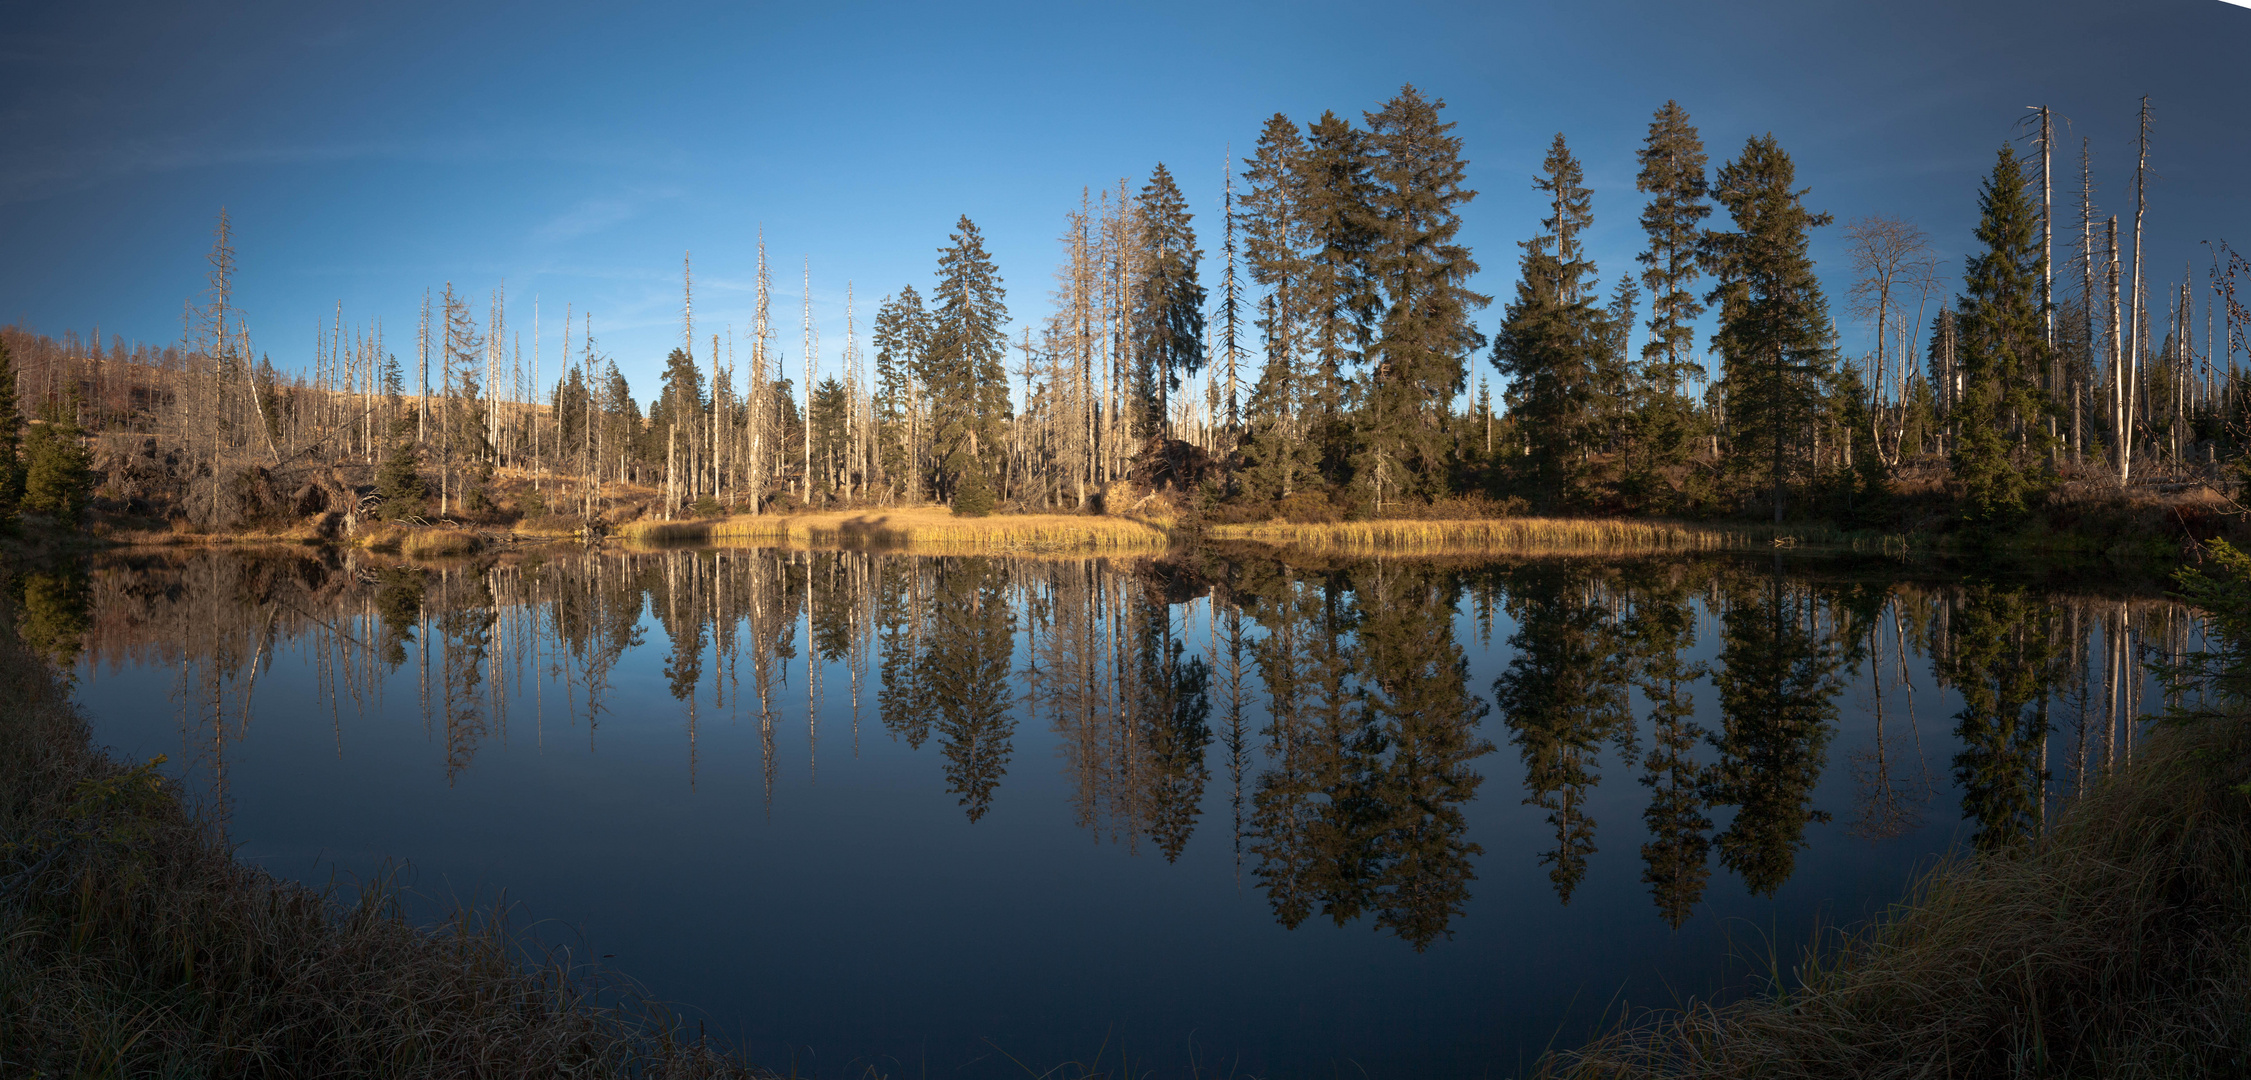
(132, 943)
(1528, 536)
(2118, 945)
(927, 529)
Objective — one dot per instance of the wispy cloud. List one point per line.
(596, 214)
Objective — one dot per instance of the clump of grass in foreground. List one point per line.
(1516, 536)
(133, 944)
(2119, 945)
(927, 529)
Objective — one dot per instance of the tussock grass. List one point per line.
(1604, 536)
(133, 944)
(2119, 945)
(931, 530)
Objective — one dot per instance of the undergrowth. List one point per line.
(2117, 945)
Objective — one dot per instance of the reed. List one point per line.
(930, 530)
(132, 943)
(1507, 536)
(2117, 945)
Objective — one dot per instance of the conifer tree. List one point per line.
(1169, 315)
(399, 480)
(1775, 340)
(1339, 298)
(58, 480)
(1276, 460)
(1550, 335)
(901, 329)
(1423, 272)
(2003, 352)
(11, 438)
(1672, 175)
(964, 364)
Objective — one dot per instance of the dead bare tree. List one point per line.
(1889, 256)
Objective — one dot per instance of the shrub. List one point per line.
(399, 482)
(1308, 508)
(707, 507)
(58, 477)
(973, 497)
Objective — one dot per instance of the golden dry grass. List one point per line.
(1506, 536)
(926, 529)
(2118, 945)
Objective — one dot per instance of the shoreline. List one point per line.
(133, 937)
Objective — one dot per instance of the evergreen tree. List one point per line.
(1672, 175)
(1423, 273)
(1777, 681)
(11, 439)
(1615, 383)
(1339, 296)
(1276, 458)
(1550, 335)
(58, 472)
(1999, 658)
(901, 329)
(832, 435)
(2003, 353)
(1169, 313)
(964, 363)
(1775, 339)
(965, 672)
(1563, 695)
(399, 480)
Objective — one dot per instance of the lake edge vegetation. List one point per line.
(133, 942)
(1328, 372)
(2114, 942)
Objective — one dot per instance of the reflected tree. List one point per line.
(2001, 660)
(964, 672)
(1173, 721)
(1564, 693)
(1659, 629)
(1778, 683)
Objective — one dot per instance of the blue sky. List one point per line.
(575, 152)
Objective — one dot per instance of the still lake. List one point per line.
(867, 814)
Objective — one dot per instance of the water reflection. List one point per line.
(1323, 717)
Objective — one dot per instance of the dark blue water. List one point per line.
(1068, 833)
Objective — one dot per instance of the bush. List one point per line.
(399, 482)
(973, 497)
(1308, 508)
(707, 507)
(58, 476)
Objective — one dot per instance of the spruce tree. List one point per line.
(1672, 175)
(1339, 297)
(58, 477)
(1169, 313)
(1550, 335)
(1276, 459)
(2002, 353)
(1775, 340)
(11, 439)
(901, 328)
(964, 363)
(399, 480)
(1423, 271)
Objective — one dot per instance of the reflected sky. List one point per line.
(958, 816)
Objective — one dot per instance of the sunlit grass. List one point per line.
(2118, 944)
(1503, 536)
(933, 530)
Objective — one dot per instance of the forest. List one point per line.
(1325, 363)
